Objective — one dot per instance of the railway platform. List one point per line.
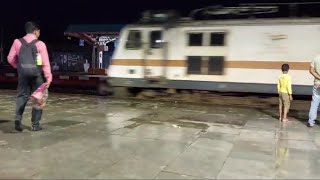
(93, 137)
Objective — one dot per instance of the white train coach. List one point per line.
(217, 55)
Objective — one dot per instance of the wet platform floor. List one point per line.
(90, 137)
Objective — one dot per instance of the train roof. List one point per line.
(232, 22)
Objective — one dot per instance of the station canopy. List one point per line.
(92, 32)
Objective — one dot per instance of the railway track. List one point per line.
(245, 100)
(233, 99)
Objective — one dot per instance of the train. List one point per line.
(235, 55)
(224, 55)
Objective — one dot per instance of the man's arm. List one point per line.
(289, 88)
(45, 62)
(13, 54)
(314, 73)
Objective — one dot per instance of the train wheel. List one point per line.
(103, 89)
(133, 91)
(120, 92)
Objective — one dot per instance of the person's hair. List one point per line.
(30, 27)
(285, 67)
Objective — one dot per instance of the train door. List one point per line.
(154, 54)
(144, 53)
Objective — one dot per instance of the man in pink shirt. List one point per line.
(33, 68)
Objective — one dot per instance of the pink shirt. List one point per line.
(42, 49)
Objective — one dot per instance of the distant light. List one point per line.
(69, 38)
(115, 44)
(159, 41)
(103, 40)
(81, 42)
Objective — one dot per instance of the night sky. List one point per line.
(55, 16)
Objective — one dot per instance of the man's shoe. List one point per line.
(17, 126)
(37, 128)
(310, 125)
(317, 122)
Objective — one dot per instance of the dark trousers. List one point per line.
(26, 86)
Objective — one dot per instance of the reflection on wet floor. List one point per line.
(90, 137)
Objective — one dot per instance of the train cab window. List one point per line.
(195, 39)
(216, 65)
(134, 40)
(217, 39)
(156, 39)
(194, 65)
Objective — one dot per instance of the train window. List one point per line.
(194, 65)
(134, 40)
(216, 65)
(217, 39)
(195, 39)
(156, 39)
